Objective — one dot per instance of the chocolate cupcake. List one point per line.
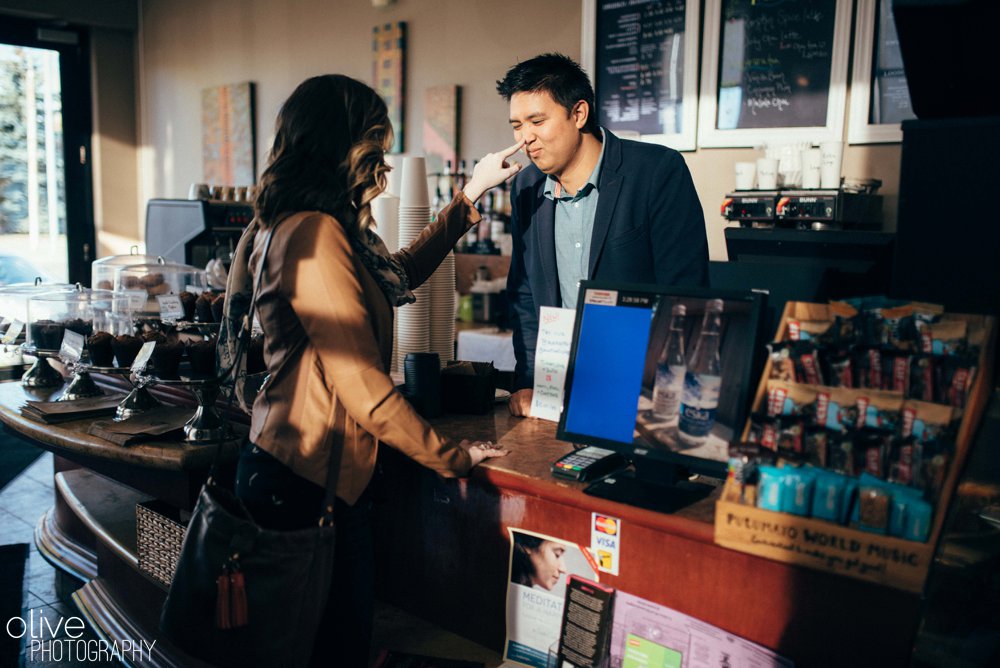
(167, 358)
(255, 354)
(218, 304)
(201, 354)
(131, 282)
(126, 347)
(158, 289)
(203, 307)
(99, 347)
(80, 326)
(188, 300)
(105, 285)
(46, 334)
(151, 280)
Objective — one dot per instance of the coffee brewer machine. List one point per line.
(195, 231)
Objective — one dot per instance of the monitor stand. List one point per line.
(654, 485)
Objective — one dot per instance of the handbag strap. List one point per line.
(333, 469)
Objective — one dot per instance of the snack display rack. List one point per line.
(834, 548)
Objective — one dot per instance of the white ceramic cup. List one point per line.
(767, 173)
(812, 159)
(198, 191)
(745, 172)
(413, 186)
(831, 157)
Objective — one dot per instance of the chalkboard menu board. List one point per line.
(774, 69)
(640, 65)
(890, 96)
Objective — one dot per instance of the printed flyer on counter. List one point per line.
(536, 591)
(647, 635)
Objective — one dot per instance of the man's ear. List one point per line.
(580, 113)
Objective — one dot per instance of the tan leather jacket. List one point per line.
(327, 345)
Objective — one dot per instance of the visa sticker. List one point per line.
(605, 542)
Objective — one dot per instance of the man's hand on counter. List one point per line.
(520, 402)
(480, 450)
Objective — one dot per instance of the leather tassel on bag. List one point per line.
(238, 600)
(222, 610)
(231, 598)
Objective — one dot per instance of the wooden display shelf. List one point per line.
(839, 549)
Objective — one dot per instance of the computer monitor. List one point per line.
(620, 334)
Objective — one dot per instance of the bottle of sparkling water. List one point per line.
(702, 381)
(670, 369)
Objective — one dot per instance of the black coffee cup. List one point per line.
(422, 380)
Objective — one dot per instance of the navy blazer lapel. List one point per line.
(545, 220)
(609, 187)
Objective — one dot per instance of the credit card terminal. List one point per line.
(587, 464)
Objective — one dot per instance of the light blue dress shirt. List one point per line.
(574, 228)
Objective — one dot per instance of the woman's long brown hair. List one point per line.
(328, 153)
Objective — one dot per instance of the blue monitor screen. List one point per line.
(637, 381)
(608, 378)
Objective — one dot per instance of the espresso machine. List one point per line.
(855, 205)
(195, 231)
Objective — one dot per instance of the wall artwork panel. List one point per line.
(441, 127)
(228, 146)
(389, 73)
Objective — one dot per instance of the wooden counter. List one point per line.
(442, 552)
(442, 545)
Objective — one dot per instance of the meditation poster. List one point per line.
(536, 591)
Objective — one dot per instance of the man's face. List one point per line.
(551, 134)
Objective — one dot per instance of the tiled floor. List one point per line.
(22, 502)
(47, 594)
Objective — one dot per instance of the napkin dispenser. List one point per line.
(468, 387)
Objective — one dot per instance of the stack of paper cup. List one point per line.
(745, 173)
(413, 321)
(385, 211)
(811, 161)
(831, 156)
(395, 161)
(442, 289)
(767, 173)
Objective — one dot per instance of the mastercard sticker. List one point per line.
(605, 542)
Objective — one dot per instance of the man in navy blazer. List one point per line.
(590, 206)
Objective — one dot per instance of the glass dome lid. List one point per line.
(102, 270)
(14, 299)
(148, 284)
(81, 310)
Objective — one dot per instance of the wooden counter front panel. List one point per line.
(442, 552)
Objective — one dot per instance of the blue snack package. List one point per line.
(828, 495)
(770, 488)
(873, 509)
(849, 500)
(917, 523)
(799, 484)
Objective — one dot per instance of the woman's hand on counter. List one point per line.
(492, 170)
(480, 450)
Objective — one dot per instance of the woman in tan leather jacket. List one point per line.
(325, 306)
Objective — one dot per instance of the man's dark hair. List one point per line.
(559, 76)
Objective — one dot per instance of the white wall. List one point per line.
(188, 45)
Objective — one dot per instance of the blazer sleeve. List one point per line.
(523, 314)
(321, 285)
(678, 237)
(426, 252)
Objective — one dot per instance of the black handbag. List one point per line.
(243, 595)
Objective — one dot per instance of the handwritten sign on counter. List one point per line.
(555, 335)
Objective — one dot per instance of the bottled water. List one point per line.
(670, 369)
(702, 381)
